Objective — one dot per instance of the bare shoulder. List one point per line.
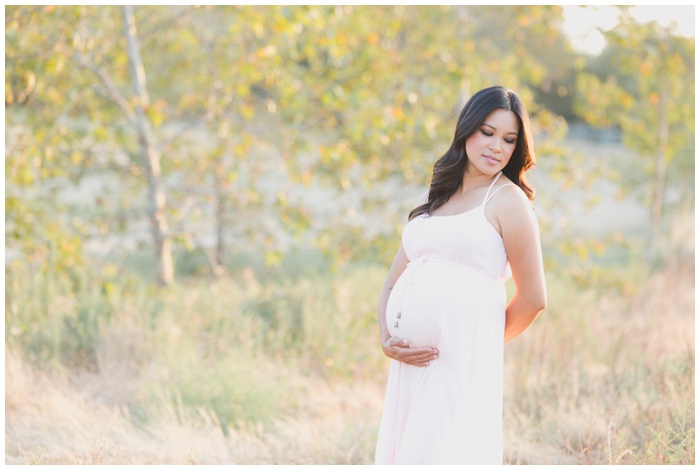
(509, 197)
(510, 210)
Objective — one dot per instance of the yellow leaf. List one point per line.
(242, 90)
(247, 112)
(581, 251)
(155, 116)
(341, 38)
(398, 112)
(273, 258)
(100, 133)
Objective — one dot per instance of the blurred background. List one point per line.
(201, 204)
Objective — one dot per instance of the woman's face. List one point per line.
(489, 148)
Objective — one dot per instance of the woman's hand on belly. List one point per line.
(400, 350)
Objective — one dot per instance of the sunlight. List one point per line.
(583, 24)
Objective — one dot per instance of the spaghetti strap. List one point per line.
(493, 193)
(488, 192)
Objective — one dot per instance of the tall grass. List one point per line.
(282, 368)
(606, 375)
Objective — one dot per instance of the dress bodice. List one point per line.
(467, 238)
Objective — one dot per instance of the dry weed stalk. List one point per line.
(625, 452)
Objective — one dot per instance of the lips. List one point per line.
(492, 159)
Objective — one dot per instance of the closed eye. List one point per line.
(490, 134)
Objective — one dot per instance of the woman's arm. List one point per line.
(521, 238)
(394, 347)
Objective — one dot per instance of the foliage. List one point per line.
(314, 97)
(643, 84)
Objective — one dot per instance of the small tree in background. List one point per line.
(643, 83)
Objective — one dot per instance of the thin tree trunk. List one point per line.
(149, 155)
(212, 116)
(220, 219)
(215, 267)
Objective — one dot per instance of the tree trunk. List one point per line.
(220, 220)
(149, 155)
(214, 116)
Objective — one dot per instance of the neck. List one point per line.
(472, 180)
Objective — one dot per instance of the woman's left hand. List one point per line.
(400, 350)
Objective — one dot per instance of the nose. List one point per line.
(495, 145)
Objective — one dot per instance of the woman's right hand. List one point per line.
(400, 350)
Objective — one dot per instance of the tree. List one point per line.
(149, 154)
(77, 112)
(261, 110)
(644, 85)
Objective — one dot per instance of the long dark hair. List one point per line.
(448, 171)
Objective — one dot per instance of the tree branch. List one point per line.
(114, 93)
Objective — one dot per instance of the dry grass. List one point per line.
(52, 421)
(604, 376)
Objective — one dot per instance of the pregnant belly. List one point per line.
(439, 304)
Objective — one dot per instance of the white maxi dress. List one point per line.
(451, 297)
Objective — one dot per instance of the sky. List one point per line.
(581, 24)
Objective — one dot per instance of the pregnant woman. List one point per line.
(443, 316)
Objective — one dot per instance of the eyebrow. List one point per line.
(492, 127)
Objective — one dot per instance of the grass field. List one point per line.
(101, 368)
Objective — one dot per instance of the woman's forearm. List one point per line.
(520, 314)
(381, 309)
